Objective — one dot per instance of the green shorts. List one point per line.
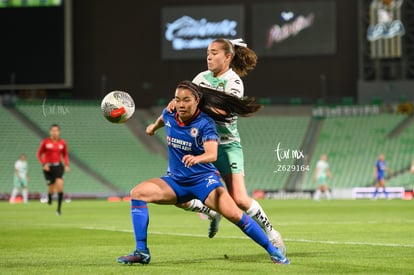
(230, 159)
(322, 180)
(19, 182)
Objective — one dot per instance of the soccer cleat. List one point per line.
(214, 225)
(277, 241)
(278, 258)
(135, 257)
(58, 213)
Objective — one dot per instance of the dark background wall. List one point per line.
(117, 46)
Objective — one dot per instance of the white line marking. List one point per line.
(245, 238)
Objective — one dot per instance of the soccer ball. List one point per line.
(117, 107)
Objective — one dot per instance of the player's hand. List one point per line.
(46, 168)
(67, 168)
(190, 160)
(171, 106)
(150, 129)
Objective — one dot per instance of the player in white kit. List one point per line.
(322, 173)
(20, 179)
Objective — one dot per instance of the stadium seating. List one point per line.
(110, 150)
(353, 145)
(260, 136)
(16, 138)
(116, 155)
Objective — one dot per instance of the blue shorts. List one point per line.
(197, 190)
(380, 177)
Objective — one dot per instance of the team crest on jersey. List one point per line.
(220, 87)
(194, 132)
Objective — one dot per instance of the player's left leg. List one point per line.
(25, 194)
(13, 195)
(325, 189)
(150, 191)
(220, 200)
(384, 189)
(59, 189)
(237, 189)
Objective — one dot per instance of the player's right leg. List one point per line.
(197, 206)
(220, 199)
(13, 195)
(50, 181)
(150, 191)
(237, 188)
(51, 191)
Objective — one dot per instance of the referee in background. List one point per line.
(50, 154)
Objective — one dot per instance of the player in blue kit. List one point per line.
(380, 170)
(192, 147)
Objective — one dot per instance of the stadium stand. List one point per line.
(353, 145)
(17, 139)
(108, 149)
(260, 136)
(113, 152)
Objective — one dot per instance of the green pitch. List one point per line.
(327, 237)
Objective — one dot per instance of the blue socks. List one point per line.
(255, 232)
(140, 219)
(376, 193)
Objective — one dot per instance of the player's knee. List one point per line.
(139, 192)
(243, 202)
(183, 205)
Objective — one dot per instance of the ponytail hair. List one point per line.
(219, 105)
(244, 59)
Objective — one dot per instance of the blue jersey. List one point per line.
(188, 139)
(381, 168)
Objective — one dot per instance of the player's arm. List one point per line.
(66, 157)
(16, 172)
(209, 155)
(40, 154)
(375, 172)
(171, 106)
(328, 172)
(153, 127)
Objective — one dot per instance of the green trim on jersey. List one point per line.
(228, 83)
(218, 83)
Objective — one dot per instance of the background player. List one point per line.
(20, 179)
(192, 146)
(227, 61)
(322, 172)
(50, 154)
(380, 170)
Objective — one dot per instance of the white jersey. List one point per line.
(231, 84)
(21, 167)
(322, 167)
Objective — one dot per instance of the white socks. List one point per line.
(198, 206)
(318, 193)
(14, 194)
(257, 213)
(25, 195)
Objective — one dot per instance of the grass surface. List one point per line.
(327, 237)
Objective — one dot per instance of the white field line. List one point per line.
(243, 237)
